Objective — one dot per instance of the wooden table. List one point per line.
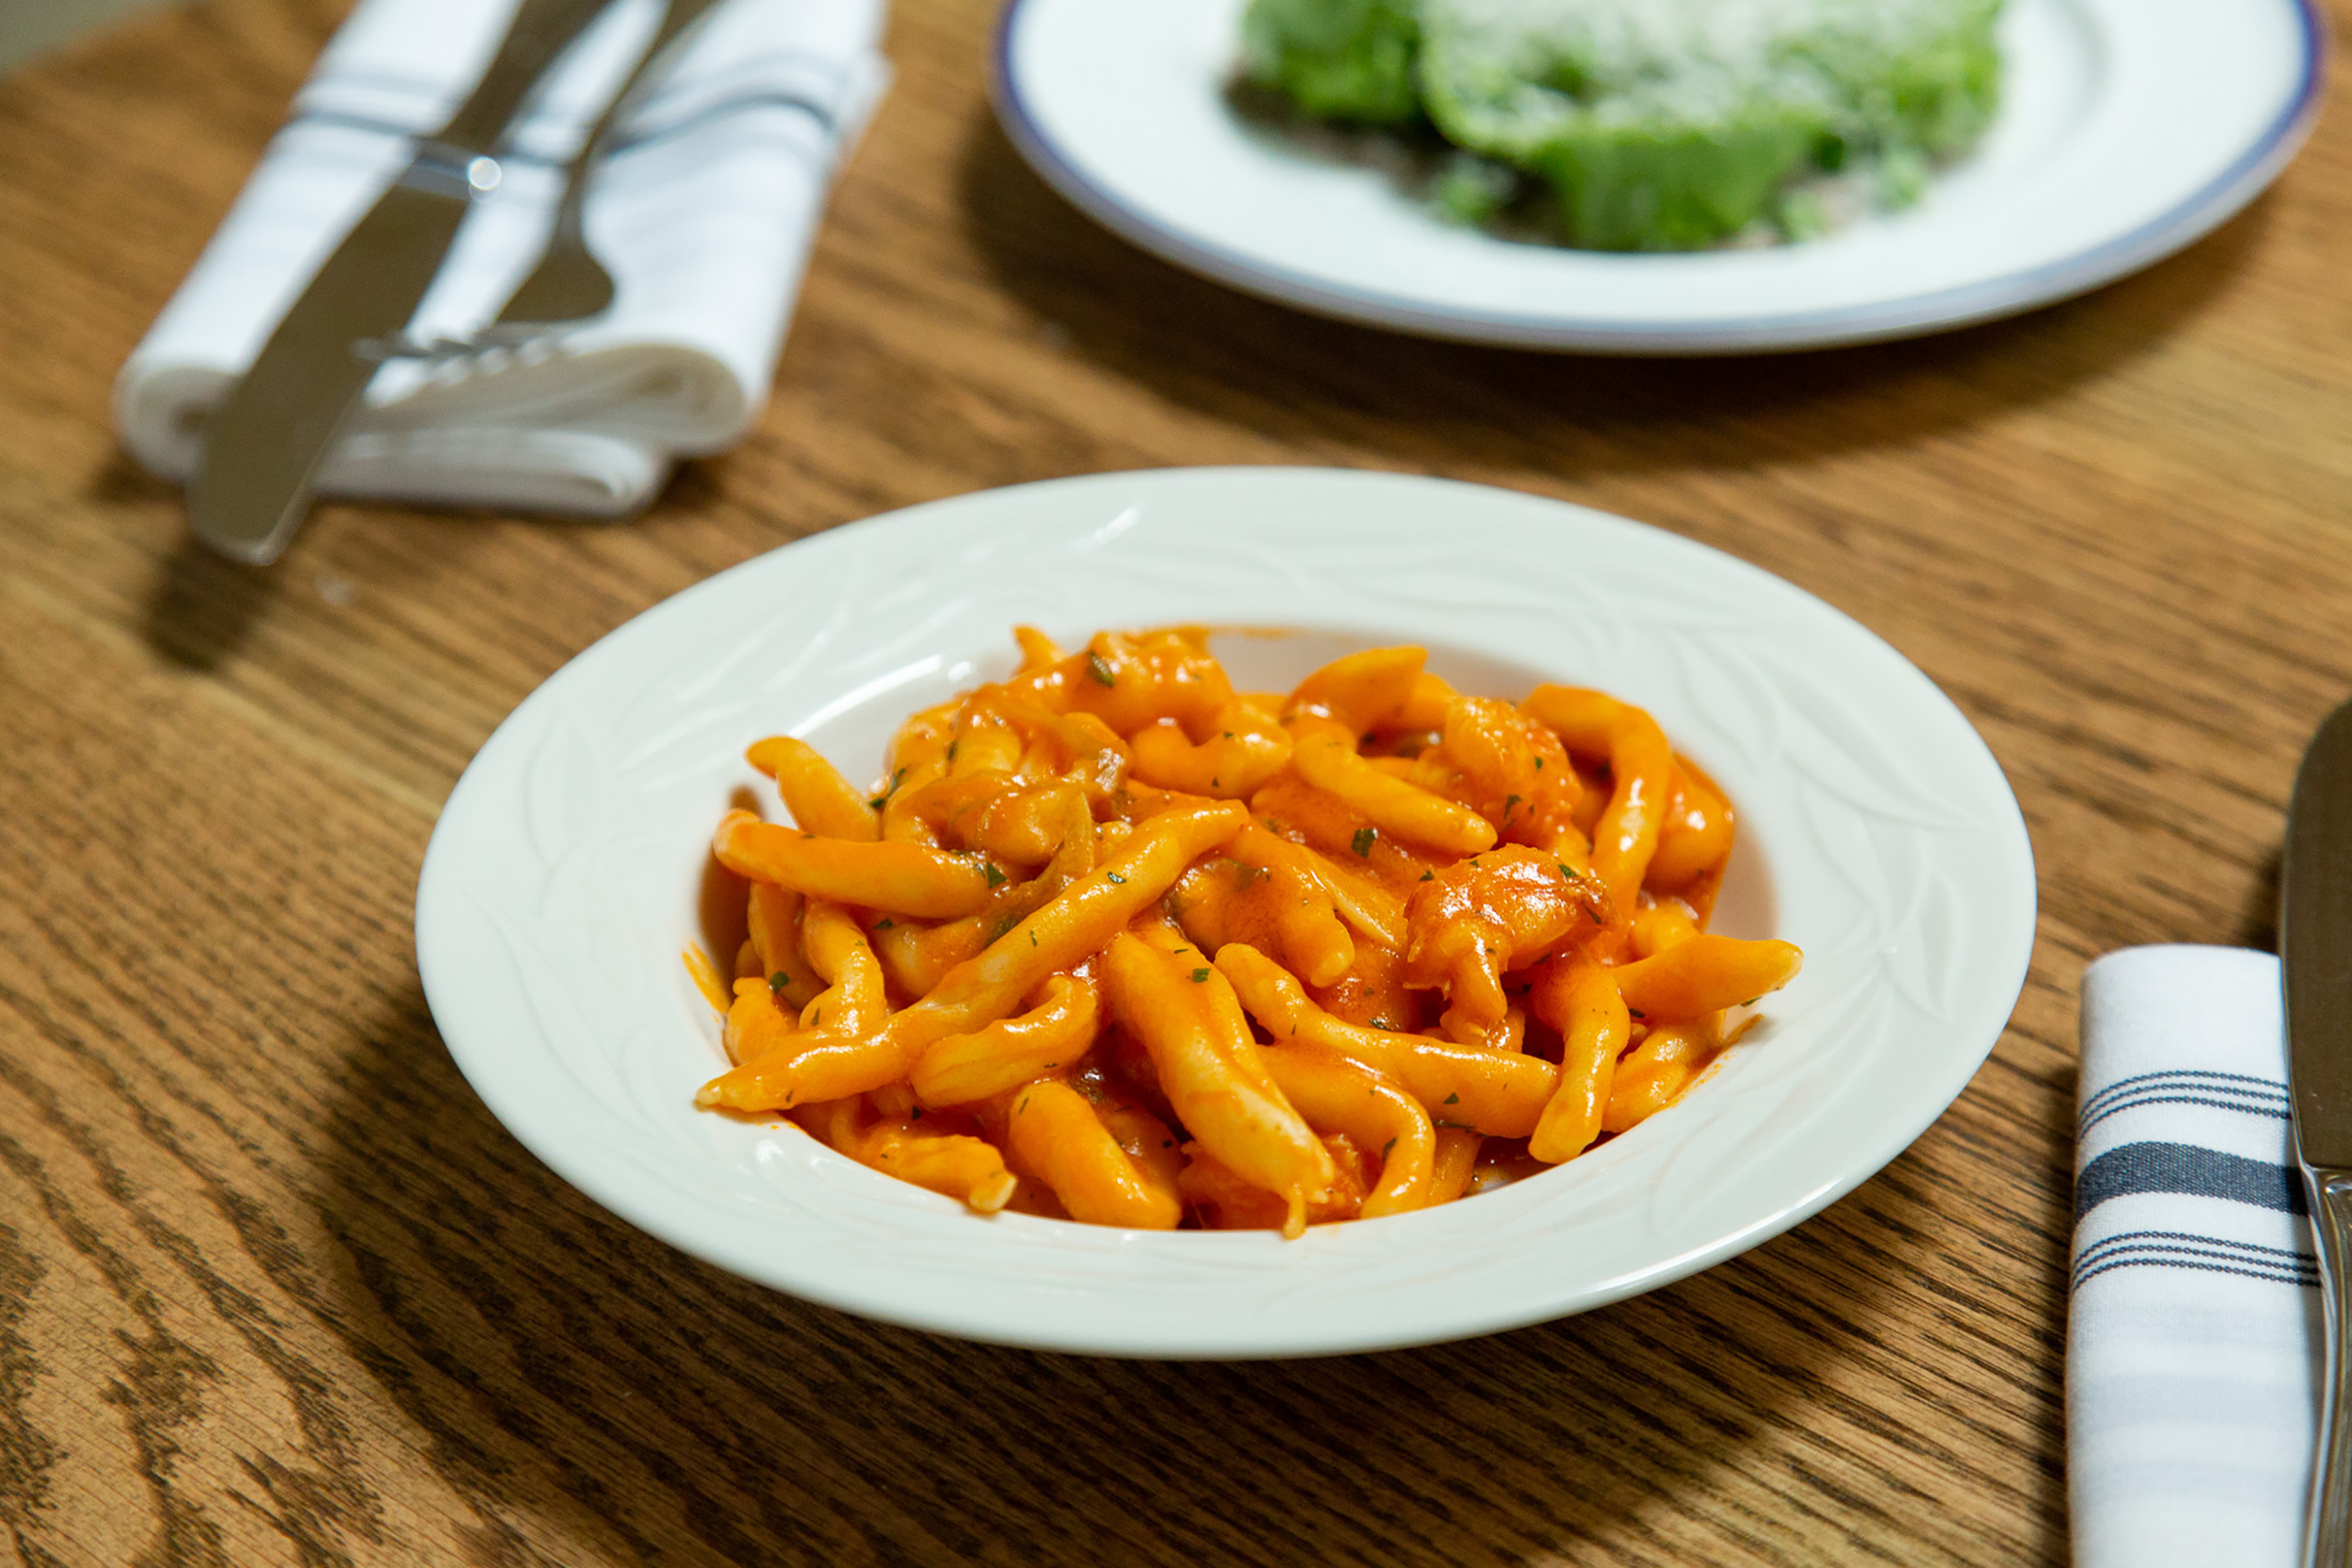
(275, 1288)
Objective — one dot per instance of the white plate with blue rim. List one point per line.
(1876, 832)
(2128, 130)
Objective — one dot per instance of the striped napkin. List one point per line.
(2193, 1329)
(703, 215)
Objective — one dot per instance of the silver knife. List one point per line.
(264, 443)
(2316, 949)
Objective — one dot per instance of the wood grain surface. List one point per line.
(275, 1288)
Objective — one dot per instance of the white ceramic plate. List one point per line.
(1876, 832)
(2128, 128)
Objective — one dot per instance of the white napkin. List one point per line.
(703, 216)
(2193, 1331)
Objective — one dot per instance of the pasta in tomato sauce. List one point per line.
(1115, 941)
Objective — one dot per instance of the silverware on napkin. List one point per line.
(2316, 950)
(264, 443)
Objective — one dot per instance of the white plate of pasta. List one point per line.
(1359, 912)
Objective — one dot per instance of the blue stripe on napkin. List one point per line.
(2220, 1090)
(2187, 1169)
(2181, 1249)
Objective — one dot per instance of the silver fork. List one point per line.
(569, 284)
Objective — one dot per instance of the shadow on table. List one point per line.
(201, 609)
(1304, 379)
(595, 1395)
(200, 606)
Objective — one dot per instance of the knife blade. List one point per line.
(2315, 956)
(265, 442)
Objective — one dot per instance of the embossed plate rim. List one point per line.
(558, 888)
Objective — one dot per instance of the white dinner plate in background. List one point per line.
(2128, 128)
(1876, 833)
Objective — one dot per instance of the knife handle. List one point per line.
(2330, 1539)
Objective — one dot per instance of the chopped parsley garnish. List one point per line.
(1200, 976)
(778, 981)
(883, 924)
(1429, 876)
(1363, 842)
(1453, 1100)
(995, 875)
(1097, 667)
(1114, 877)
(1509, 801)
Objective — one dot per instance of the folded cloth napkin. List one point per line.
(703, 215)
(2193, 1329)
